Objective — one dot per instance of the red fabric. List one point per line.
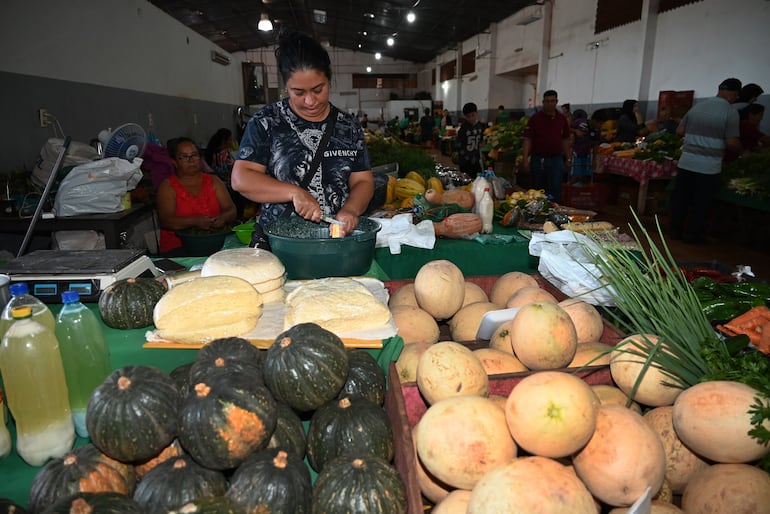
(639, 170)
(187, 204)
(547, 133)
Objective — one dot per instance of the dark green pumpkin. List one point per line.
(289, 432)
(227, 355)
(218, 505)
(96, 503)
(178, 481)
(181, 377)
(225, 419)
(352, 424)
(351, 484)
(365, 377)
(84, 469)
(129, 303)
(10, 507)
(134, 413)
(272, 480)
(306, 366)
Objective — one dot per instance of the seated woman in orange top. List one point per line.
(190, 198)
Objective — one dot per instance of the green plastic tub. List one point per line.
(307, 251)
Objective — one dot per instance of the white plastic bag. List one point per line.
(77, 153)
(97, 187)
(566, 264)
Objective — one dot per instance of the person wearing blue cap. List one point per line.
(709, 128)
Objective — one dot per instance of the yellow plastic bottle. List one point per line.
(36, 389)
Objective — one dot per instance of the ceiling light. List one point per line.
(365, 33)
(265, 25)
(378, 56)
(369, 15)
(368, 69)
(390, 41)
(360, 45)
(410, 17)
(319, 16)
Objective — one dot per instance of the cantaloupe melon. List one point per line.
(626, 364)
(404, 295)
(439, 288)
(543, 336)
(456, 502)
(406, 365)
(588, 322)
(529, 294)
(497, 361)
(593, 353)
(656, 507)
(474, 293)
(611, 395)
(501, 338)
(733, 488)
(431, 487)
(508, 284)
(460, 439)
(465, 323)
(449, 369)
(415, 325)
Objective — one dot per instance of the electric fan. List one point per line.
(126, 142)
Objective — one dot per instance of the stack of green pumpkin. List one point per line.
(224, 434)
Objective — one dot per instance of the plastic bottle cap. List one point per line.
(19, 288)
(70, 297)
(24, 311)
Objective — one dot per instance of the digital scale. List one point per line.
(49, 273)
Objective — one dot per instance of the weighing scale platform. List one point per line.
(51, 272)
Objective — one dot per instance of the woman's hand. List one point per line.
(306, 205)
(350, 220)
(203, 222)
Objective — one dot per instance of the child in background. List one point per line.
(582, 143)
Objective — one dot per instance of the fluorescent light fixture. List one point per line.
(378, 56)
(390, 41)
(265, 25)
(410, 17)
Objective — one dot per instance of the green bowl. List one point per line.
(307, 250)
(243, 232)
(201, 244)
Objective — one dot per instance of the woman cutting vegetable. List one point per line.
(277, 163)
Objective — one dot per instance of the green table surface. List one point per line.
(126, 349)
(472, 257)
(752, 202)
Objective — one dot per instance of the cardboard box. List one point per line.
(591, 196)
(405, 406)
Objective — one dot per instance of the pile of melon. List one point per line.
(553, 443)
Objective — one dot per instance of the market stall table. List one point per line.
(127, 348)
(472, 257)
(640, 171)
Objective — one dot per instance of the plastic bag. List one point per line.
(97, 187)
(77, 153)
(566, 263)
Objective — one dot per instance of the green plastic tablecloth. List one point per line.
(126, 349)
(472, 257)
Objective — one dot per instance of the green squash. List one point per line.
(129, 303)
(272, 480)
(351, 484)
(350, 425)
(289, 433)
(181, 377)
(134, 413)
(365, 377)
(178, 481)
(83, 469)
(227, 355)
(306, 366)
(218, 505)
(96, 503)
(225, 419)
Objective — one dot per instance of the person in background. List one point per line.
(502, 116)
(630, 124)
(468, 141)
(446, 119)
(190, 198)
(582, 147)
(709, 128)
(282, 138)
(426, 127)
(566, 110)
(546, 147)
(752, 139)
(749, 94)
(218, 156)
(365, 121)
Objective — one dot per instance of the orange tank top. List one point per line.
(204, 203)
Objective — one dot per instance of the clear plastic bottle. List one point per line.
(84, 354)
(5, 435)
(36, 389)
(20, 297)
(486, 211)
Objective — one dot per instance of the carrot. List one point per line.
(751, 316)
